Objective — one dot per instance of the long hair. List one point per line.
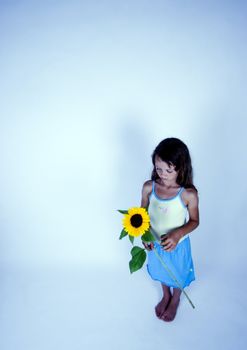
(174, 152)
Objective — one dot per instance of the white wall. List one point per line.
(88, 89)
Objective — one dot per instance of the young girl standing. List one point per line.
(172, 203)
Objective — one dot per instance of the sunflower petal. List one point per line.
(128, 223)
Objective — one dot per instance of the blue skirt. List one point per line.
(179, 261)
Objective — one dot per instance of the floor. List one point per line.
(73, 308)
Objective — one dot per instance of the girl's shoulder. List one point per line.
(147, 187)
(189, 195)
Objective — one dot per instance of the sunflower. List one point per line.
(136, 221)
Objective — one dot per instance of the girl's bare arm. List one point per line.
(146, 190)
(191, 200)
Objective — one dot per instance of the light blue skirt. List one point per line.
(179, 261)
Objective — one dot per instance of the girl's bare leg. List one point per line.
(161, 306)
(170, 312)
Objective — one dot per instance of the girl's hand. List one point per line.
(148, 246)
(170, 240)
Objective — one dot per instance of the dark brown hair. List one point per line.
(174, 152)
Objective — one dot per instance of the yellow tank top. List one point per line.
(166, 214)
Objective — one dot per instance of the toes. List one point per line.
(168, 315)
(164, 317)
(157, 313)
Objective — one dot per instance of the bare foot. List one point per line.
(161, 306)
(170, 313)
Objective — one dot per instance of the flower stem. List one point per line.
(173, 277)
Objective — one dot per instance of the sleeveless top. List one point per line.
(166, 214)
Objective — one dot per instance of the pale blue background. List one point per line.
(88, 89)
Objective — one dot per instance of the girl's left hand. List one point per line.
(170, 240)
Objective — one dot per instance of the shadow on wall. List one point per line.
(132, 166)
(133, 160)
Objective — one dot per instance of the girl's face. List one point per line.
(166, 172)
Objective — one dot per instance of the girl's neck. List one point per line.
(168, 186)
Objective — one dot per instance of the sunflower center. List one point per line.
(136, 220)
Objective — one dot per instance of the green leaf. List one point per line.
(123, 211)
(135, 250)
(137, 260)
(148, 237)
(131, 239)
(123, 234)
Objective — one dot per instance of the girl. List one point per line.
(172, 203)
